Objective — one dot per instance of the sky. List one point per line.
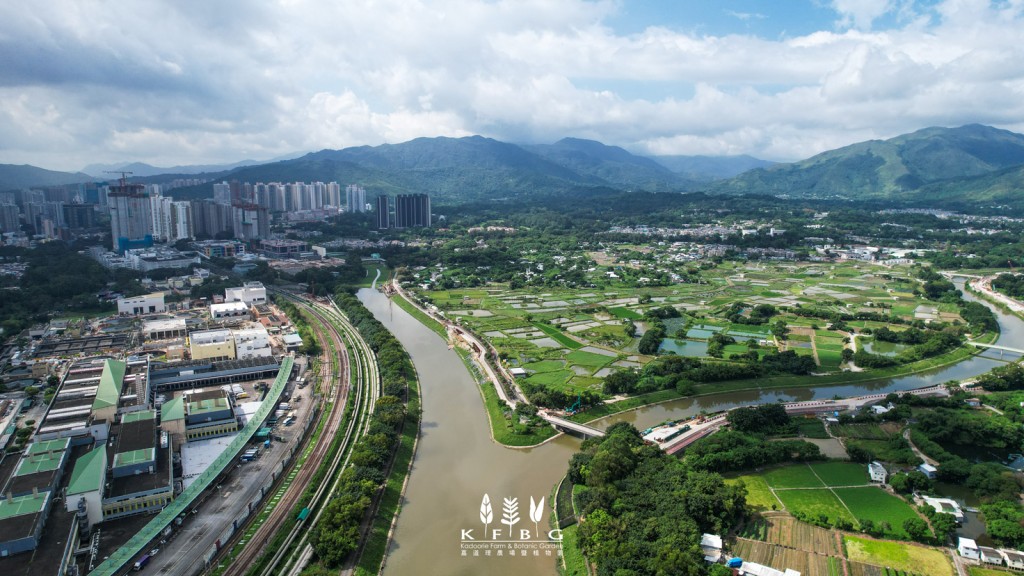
(200, 82)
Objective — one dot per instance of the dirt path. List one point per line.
(918, 453)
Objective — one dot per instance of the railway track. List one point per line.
(291, 556)
(347, 375)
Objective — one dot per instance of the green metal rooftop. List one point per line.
(134, 457)
(109, 389)
(32, 464)
(23, 505)
(58, 445)
(138, 416)
(208, 405)
(173, 410)
(90, 471)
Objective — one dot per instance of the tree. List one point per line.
(944, 525)
(916, 528)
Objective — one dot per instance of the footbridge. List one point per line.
(570, 426)
(997, 347)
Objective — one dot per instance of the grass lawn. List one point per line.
(908, 557)
(798, 476)
(878, 505)
(841, 473)
(830, 359)
(815, 503)
(979, 571)
(575, 562)
(759, 496)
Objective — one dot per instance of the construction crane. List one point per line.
(124, 176)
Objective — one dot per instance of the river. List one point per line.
(457, 463)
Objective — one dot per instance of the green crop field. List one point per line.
(878, 506)
(588, 359)
(799, 476)
(624, 313)
(860, 431)
(545, 366)
(558, 336)
(841, 473)
(906, 557)
(557, 379)
(815, 503)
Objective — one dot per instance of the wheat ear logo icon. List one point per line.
(485, 513)
(510, 513)
(536, 511)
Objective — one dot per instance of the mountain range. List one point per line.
(969, 164)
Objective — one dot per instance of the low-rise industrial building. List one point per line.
(228, 310)
(164, 329)
(209, 413)
(139, 305)
(251, 293)
(212, 344)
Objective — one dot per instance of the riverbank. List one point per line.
(783, 382)
(502, 429)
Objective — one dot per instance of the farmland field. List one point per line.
(907, 557)
(798, 476)
(815, 503)
(877, 505)
(841, 473)
(862, 431)
(784, 530)
(807, 563)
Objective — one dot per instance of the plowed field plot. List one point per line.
(781, 558)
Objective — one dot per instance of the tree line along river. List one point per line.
(440, 529)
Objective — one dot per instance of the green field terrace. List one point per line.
(569, 339)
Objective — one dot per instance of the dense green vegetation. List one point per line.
(337, 535)
(57, 280)
(633, 520)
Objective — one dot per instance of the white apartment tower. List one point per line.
(355, 198)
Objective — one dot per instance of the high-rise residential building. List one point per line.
(10, 220)
(355, 198)
(383, 212)
(131, 219)
(210, 218)
(333, 195)
(250, 222)
(181, 226)
(36, 213)
(80, 216)
(160, 209)
(412, 210)
(222, 193)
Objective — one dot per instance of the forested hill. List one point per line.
(949, 165)
(14, 177)
(471, 168)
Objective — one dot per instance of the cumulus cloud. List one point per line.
(199, 82)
